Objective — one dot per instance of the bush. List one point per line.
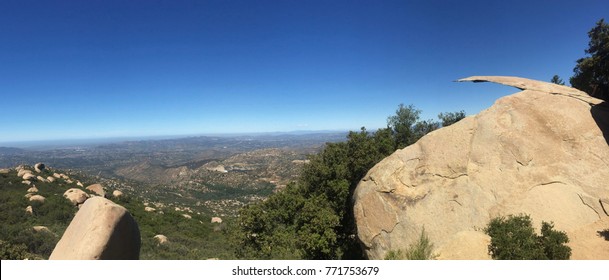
(420, 250)
(513, 238)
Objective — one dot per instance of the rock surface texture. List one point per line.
(101, 230)
(543, 151)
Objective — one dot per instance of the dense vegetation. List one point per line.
(513, 238)
(591, 74)
(194, 238)
(313, 217)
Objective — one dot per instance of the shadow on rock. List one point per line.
(600, 114)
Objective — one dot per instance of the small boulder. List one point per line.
(27, 182)
(28, 195)
(149, 209)
(38, 198)
(76, 196)
(50, 179)
(56, 175)
(97, 189)
(101, 230)
(40, 229)
(79, 184)
(186, 216)
(39, 167)
(33, 189)
(117, 193)
(216, 220)
(22, 172)
(64, 176)
(4, 171)
(162, 239)
(29, 176)
(29, 210)
(41, 179)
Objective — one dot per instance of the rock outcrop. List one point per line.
(543, 151)
(76, 196)
(100, 230)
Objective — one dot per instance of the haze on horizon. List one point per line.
(104, 69)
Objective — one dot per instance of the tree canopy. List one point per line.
(591, 74)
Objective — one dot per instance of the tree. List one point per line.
(591, 74)
(313, 218)
(557, 80)
(402, 123)
(449, 118)
(513, 238)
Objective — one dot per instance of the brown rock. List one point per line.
(40, 229)
(100, 230)
(27, 182)
(76, 196)
(41, 179)
(149, 209)
(186, 216)
(97, 189)
(4, 171)
(541, 151)
(216, 220)
(22, 172)
(117, 193)
(29, 210)
(29, 177)
(162, 239)
(50, 179)
(56, 175)
(33, 189)
(37, 198)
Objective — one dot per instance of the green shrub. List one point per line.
(513, 238)
(422, 249)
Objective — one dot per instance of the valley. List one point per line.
(214, 175)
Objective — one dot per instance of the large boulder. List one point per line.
(542, 152)
(76, 196)
(100, 230)
(97, 189)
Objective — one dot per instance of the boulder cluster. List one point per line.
(101, 229)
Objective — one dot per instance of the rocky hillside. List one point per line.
(38, 203)
(543, 152)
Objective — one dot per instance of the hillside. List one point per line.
(34, 215)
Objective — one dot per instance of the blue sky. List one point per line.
(90, 69)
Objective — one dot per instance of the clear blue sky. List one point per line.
(88, 69)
